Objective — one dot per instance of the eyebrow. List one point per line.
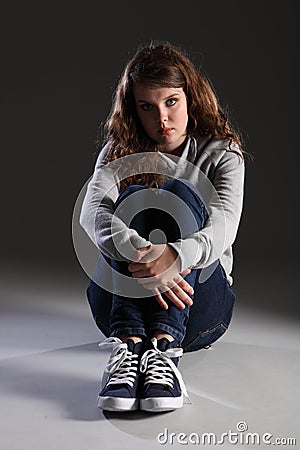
(166, 98)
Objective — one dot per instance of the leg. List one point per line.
(120, 389)
(211, 312)
(180, 212)
(163, 387)
(128, 314)
(100, 299)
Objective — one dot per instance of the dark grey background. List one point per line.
(59, 68)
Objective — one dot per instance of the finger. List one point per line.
(155, 282)
(160, 300)
(174, 299)
(179, 281)
(186, 271)
(186, 287)
(181, 294)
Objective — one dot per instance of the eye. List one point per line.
(171, 101)
(146, 106)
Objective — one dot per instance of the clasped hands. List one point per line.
(156, 268)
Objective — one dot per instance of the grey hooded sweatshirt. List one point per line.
(213, 169)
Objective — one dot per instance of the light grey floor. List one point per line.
(50, 370)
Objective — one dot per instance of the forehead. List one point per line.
(142, 92)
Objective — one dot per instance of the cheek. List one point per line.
(182, 109)
(183, 116)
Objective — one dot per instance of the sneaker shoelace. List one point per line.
(160, 367)
(122, 365)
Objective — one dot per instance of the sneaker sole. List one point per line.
(117, 403)
(158, 404)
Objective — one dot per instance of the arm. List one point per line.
(108, 233)
(220, 231)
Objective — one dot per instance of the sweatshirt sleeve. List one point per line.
(207, 245)
(108, 232)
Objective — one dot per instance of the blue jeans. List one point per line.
(194, 327)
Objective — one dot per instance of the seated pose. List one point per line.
(163, 206)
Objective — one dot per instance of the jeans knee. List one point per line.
(128, 191)
(181, 187)
(187, 192)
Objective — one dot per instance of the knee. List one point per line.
(180, 187)
(185, 190)
(128, 191)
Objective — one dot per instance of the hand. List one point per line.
(177, 293)
(155, 265)
(157, 268)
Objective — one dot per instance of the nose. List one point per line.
(162, 115)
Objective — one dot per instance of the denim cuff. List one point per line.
(128, 332)
(178, 335)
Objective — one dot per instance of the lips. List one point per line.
(165, 131)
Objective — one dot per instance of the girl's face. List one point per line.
(163, 115)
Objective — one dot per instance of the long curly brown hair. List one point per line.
(161, 64)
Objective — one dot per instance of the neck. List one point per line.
(177, 151)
